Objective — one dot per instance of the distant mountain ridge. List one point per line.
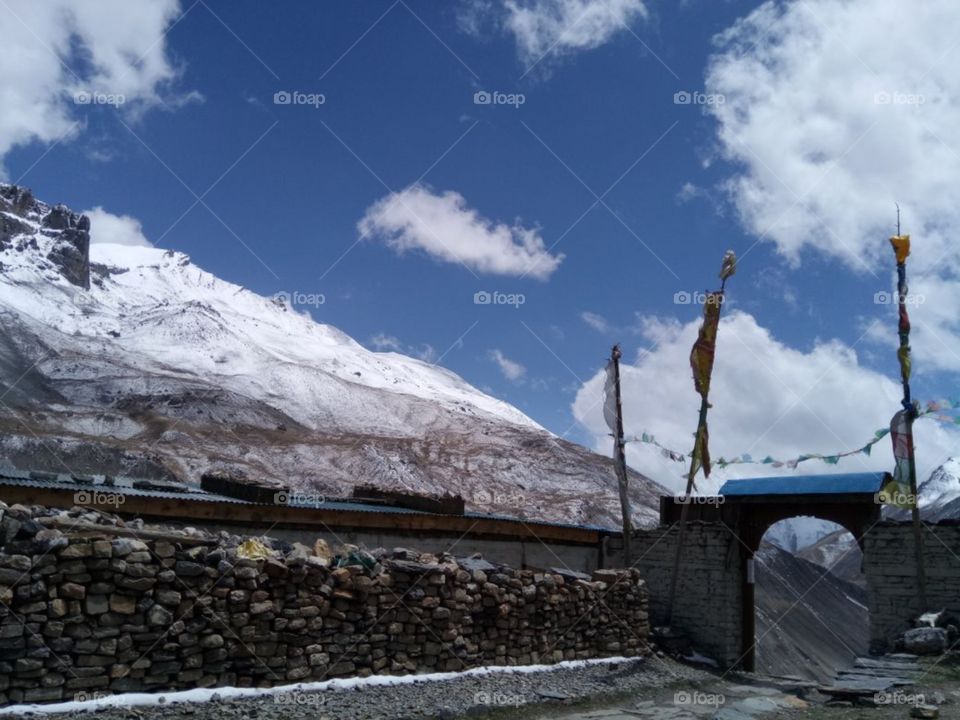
(133, 360)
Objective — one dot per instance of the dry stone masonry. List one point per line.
(709, 588)
(88, 606)
(891, 571)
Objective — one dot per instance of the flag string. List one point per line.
(935, 410)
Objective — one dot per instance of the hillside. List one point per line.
(133, 360)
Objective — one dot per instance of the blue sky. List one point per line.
(292, 182)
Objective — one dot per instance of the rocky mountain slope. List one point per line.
(839, 553)
(132, 360)
(809, 622)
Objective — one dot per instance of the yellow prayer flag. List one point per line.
(901, 246)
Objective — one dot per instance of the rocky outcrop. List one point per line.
(90, 607)
(22, 216)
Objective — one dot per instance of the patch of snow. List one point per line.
(201, 695)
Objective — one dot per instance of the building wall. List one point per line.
(709, 591)
(891, 570)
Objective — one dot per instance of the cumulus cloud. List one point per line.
(511, 369)
(768, 399)
(559, 27)
(444, 227)
(58, 51)
(107, 228)
(828, 125)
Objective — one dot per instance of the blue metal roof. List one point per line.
(835, 484)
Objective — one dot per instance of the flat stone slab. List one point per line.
(568, 574)
(875, 675)
(885, 664)
(474, 564)
(855, 688)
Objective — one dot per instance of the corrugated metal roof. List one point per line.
(835, 484)
(98, 483)
(126, 485)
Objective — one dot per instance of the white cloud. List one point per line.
(446, 229)
(382, 342)
(822, 161)
(768, 399)
(511, 369)
(596, 321)
(113, 47)
(106, 228)
(426, 352)
(829, 126)
(558, 27)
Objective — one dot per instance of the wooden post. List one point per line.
(727, 270)
(901, 247)
(620, 459)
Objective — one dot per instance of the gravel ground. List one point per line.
(472, 696)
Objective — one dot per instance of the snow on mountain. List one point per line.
(943, 485)
(132, 359)
(797, 533)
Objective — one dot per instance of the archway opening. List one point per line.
(810, 599)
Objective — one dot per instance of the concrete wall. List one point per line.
(709, 594)
(890, 567)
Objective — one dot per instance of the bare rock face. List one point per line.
(23, 216)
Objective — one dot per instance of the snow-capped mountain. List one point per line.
(133, 360)
(939, 493)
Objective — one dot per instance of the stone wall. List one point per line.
(83, 611)
(891, 571)
(709, 594)
(517, 552)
